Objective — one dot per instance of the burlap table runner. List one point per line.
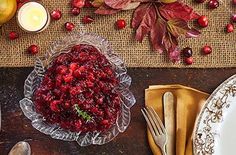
(12, 53)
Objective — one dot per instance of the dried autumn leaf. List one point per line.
(139, 14)
(97, 3)
(131, 6)
(117, 4)
(106, 10)
(178, 27)
(142, 1)
(175, 55)
(146, 24)
(178, 10)
(157, 35)
(164, 20)
(193, 33)
(168, 1)
(170, 42)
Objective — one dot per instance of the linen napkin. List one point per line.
(188, 102)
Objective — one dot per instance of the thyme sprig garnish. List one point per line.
(82, 113)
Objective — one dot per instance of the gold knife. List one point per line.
(169, 119)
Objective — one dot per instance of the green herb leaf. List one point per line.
(82, 113)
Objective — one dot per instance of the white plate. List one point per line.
(215, 130)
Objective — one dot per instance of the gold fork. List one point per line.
(156, 128)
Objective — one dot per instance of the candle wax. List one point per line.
(32, 16)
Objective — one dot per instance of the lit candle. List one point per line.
(33, 17)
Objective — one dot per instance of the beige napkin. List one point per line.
(188, 102)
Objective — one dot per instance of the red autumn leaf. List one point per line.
(117, 4)
(139, 13)
(106, 10)
(178, 27)
(193, 33)
(163, 22)
(178, 10)
(157, 35)
(148, 20)
(170, 42)
(143, 1)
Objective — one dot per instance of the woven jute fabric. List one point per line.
(135, 54)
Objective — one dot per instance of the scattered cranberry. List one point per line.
(13, 35)
(77, 3)
(188, 61)
(88, 4)
(203, 21)
(87, 19)
(187, 52)
(200, 1)
(75, 11)
(234, 2)
(69, 26)
(233, 18)
(33, 49)
(56, 14)
(213, 4)
(206, 49)
(120, 24)
(229, 28)
(19, 5)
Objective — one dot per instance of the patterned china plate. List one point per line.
(215, 130)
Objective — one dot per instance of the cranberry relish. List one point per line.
(77, 91)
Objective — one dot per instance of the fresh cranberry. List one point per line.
(75, 11)
(56, 14)
(213, 4)
(62, 69)
(188, 61)
(54, 106)
(78, 124)
(87, 19)
(229, 28)
(19, 5)
(203, 21)
(77, 3)
(233, 17)
(67, 105)
(68, 78)
(33, 49)
(104, 122)
(13, 35)
(88, 4)
(69, 26)
(100, 100)
(187, 52)
(234, 2)
(73, 66)
(206, 49)
(120, 24)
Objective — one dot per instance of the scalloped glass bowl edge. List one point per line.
(34, 78)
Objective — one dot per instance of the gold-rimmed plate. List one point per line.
(215, 127)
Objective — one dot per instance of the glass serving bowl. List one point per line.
(35, 77)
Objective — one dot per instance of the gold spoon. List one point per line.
(21, 148)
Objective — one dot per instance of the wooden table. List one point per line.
(16, 127)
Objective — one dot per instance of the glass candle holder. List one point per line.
(33, 17)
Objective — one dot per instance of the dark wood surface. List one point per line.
(16, 127)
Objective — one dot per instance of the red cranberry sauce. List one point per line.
(77, 91)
